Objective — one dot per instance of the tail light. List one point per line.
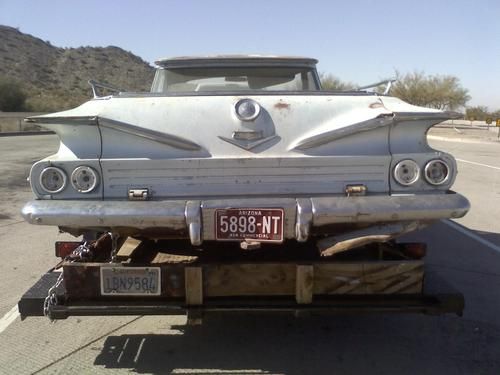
(406, 172)
(436, 172)
(84, 179)
(64, 248)
(414, 250)
(53, 180)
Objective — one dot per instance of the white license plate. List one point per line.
(258, 224)
(130, 281)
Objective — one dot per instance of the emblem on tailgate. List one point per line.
(247, 109)
(252, 116)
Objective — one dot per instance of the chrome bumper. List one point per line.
(197, 217)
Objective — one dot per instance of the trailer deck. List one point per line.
(287, 279)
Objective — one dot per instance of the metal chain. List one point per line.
(51, 299)
(114, 246)
(82, 252)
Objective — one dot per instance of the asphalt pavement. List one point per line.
(465, 253)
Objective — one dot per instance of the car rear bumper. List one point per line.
(195, 218)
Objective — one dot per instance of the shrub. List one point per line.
(12, 97)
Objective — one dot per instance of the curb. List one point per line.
(15, 134)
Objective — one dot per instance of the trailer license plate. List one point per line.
(130, 281)
(258, 224)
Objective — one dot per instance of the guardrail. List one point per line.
(13, 122)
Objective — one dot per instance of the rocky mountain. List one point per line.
(56, 78)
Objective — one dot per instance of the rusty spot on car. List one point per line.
(376, 105)
(282, 105)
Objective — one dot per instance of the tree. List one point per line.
(440, 91)
(12, 97)
(478, 113)
(330, 82)
(481, 113)
(495, 114)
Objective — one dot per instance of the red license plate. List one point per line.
(256, 224)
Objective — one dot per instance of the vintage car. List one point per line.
(247, 149)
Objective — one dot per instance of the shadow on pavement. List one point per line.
(357, 344)
(270, 344)
(470, 266)
(489, 236)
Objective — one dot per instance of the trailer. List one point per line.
(173, 277)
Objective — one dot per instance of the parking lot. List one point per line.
(466, 253)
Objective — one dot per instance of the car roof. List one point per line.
(235, 60)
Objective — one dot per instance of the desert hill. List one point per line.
(56, 78)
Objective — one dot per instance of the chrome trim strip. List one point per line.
(380, 121)
(332, 135)
(107, 86)
(168, 139)
(248, 136)
(434, 116)
(63, 120)
(388, 81)
(245, 93)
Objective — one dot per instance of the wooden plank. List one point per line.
(394, 277)
(304, 284)
(376, 271)
(377, 277)
(128, 248)
(338, 278)
(193, 281)
(165, 258)
(247, 279)
(413, 284)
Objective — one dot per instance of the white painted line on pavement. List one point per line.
(139, 350)
(480, 164)
(459, 140)
(472, 235)
(8, 318)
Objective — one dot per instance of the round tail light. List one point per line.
(53, 180)
(436, 172)
(406, 172)
(84, 179)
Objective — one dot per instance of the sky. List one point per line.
(360, 41)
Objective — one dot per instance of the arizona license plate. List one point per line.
(258, 224)
(130, 281)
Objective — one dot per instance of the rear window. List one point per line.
(235, 79)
